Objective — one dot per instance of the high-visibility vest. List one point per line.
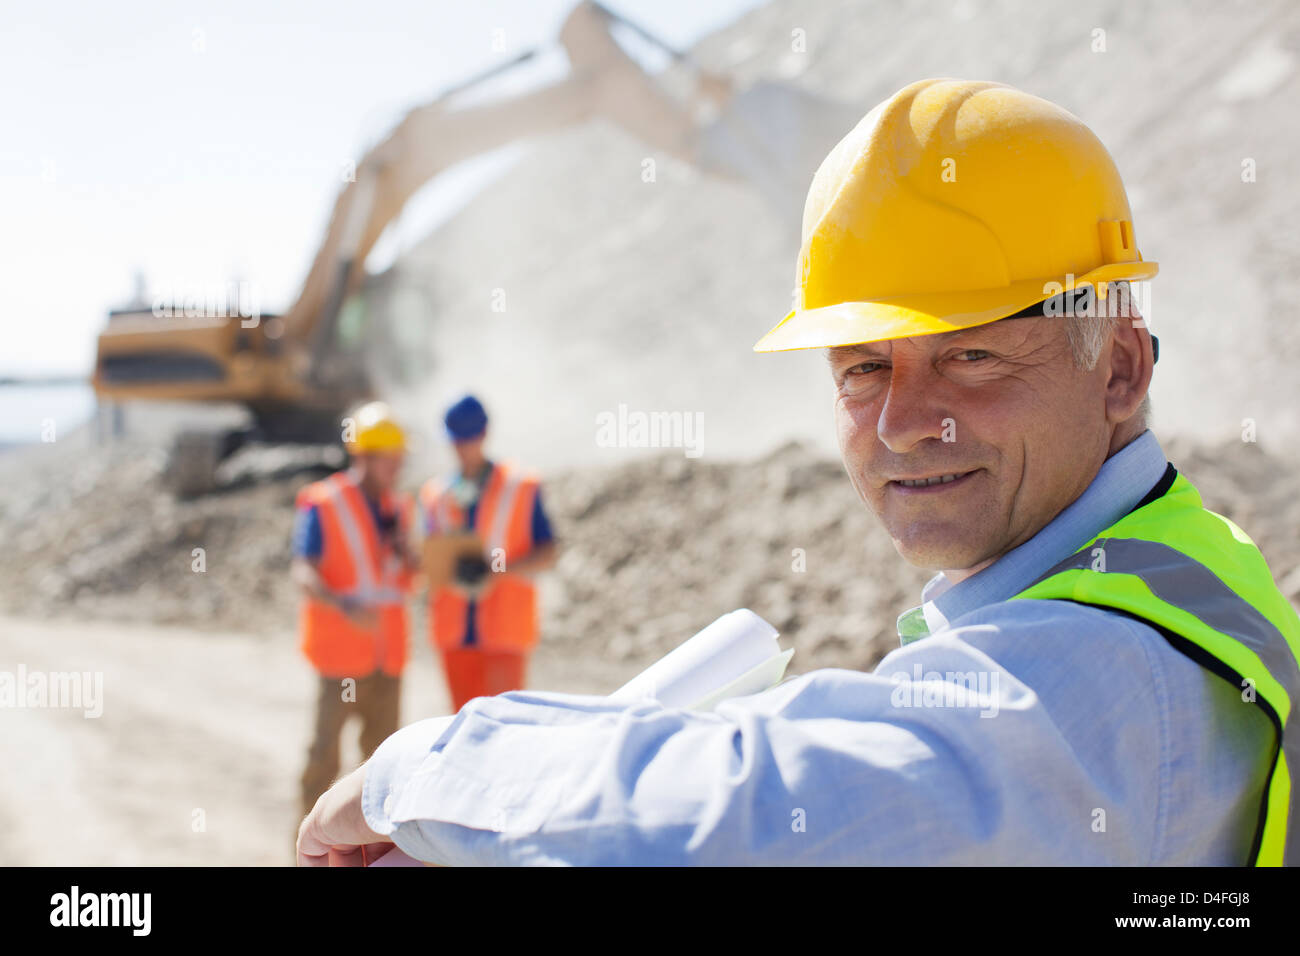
(505, 617)
(1200, 581)
(355, 563)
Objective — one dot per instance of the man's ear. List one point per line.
(1131, 362)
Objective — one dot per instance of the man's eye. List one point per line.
(972, 355)
(863, 368)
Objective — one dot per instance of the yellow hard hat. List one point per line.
(954, 203)
(374, 429)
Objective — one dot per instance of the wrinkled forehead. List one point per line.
(1059, 306)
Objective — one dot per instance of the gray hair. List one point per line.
(1088, 334)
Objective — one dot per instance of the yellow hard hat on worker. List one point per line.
(955, 203)
(374, 430)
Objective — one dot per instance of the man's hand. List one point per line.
(313, 587)
(479, 588)
(473, 576)
(335, 833)
(536, 561)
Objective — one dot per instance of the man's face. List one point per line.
(384, 469)
(1001, 406)
(469, 454)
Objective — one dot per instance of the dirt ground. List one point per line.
(209, 722)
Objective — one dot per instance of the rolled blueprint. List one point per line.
(737, 654)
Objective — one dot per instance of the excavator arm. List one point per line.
(603, 81)
(289, 370)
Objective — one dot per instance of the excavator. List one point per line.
(296, 374)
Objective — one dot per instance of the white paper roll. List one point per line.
(715, 658)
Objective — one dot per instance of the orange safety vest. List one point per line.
(355, 563)
(506, 615)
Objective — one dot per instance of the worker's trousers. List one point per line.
(471, 673)
(375, 699)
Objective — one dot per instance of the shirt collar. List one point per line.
(1125, 477)
(382, 503)
(481, 478)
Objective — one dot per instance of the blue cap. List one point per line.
(466, 419)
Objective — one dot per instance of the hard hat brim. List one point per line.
(363, 449)
(901, 317)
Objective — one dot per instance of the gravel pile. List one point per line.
(654, 548)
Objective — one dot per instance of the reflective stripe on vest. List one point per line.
(495, 511)
(438, 505)
(1183, 592)
(367, 589)
(502, 512)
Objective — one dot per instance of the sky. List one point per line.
(203, 143)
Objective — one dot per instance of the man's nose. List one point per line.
(913, 410)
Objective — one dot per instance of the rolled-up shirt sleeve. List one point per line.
(307, 536)
(945, 754)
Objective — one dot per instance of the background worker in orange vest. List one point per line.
(353, 563)
(485, 623)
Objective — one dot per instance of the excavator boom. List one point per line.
(291, 371)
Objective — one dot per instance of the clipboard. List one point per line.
(440, 554)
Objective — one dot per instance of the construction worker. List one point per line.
(1100, 672)
(353, 564)
(484, 623)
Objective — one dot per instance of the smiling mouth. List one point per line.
(931, 481)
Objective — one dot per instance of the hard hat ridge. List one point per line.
(374, 429)
(952, 204)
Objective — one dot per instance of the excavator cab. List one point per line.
(190, 354)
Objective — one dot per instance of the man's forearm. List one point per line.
(834, 767)
(536, 561)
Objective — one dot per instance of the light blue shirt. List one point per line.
(1016, 732)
